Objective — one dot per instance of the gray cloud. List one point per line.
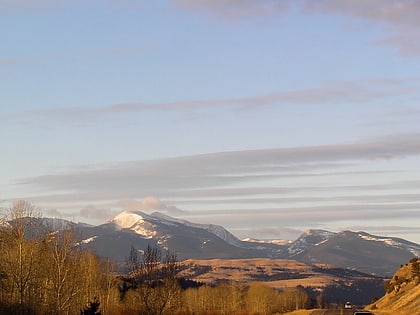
(304, 217)
(399, 18)
(229, 195)
(28, 4)
(10, 62)
(151, 204)
(221, 169)
(52, 213)
(386, 229)
(360, 198)
(19, 5)
(93, 212)
(225, 179)
(236, 8)
(333, 93)
(221, 188)
(398, 12)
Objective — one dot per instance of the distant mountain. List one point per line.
(308, 240)
(277, 242)
(353, 250)
(188, 240)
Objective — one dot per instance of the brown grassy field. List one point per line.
(276, 273)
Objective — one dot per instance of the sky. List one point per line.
(268, 117)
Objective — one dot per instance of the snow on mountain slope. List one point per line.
(212, 228)
(127, 219)
(136, 221)
(145, 224)
(308, 239)
(393, 242)
(276, 242)
(87, 241)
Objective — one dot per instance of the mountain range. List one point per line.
(347, 249)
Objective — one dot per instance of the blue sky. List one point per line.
(267, 117)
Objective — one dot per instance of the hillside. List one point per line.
(403, 292)
(277, 273)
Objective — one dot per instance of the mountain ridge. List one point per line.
(360, 250)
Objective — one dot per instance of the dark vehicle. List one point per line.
(362, 313)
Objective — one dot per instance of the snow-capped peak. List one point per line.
(146, 224)
(136, 221)
(127, 219)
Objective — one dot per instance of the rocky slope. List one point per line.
(403, 292)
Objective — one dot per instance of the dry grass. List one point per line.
(404, 299)
(254, 270)
(299, 312)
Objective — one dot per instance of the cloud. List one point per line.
(93, 212)
(236, 8)
(151, 204)
(229, 195)
(300, 218)
(321, 213)
(86, 213)
(257, 200)
(27, 4)
(386, 229)
(398, 18)
(22, 5)
(394, 11)
(52, 213)
(222, 169)
(288, 187)
(333, 93)
(10, 62)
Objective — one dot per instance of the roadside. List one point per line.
(300, 312)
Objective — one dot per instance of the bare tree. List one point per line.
(64, 270)
(43, 270)
(20, 250)
(155, 281)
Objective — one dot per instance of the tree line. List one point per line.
(43, 271)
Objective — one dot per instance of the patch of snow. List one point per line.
(414, 249)
(217, 230)
(387, 241)
(205, 243)
(322, 242)
(306, 240)
(141, 230)
(276, 242)
(88, 240)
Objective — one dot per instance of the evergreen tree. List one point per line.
(92, 308)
